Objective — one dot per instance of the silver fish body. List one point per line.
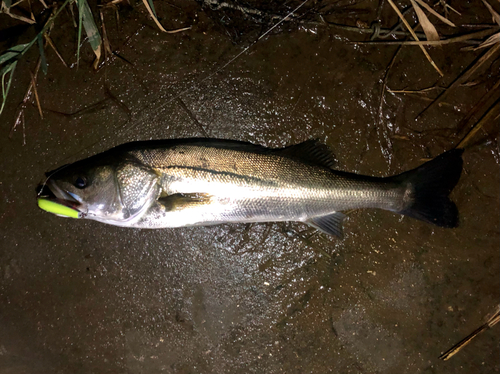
(206, 182)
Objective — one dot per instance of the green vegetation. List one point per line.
(86, 21)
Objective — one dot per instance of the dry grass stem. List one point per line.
(494, 15)
(456, 39)
(432, 11)
(153, 15)
(401, 137)
(177, 30)
(422, 91)
(23, 123)
(493, 319)
(414, 36)
(447, 6)
(16, 3)
(493, 39)
(490, 115)
(462, 78)
(49, 41)
(20, 120)
(73, 17)
(20, 113)
(482, 103)
(105, 41)
(429, 29)
(375, 31)
(35, 91)
(15, 16)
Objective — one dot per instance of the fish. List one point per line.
(200, 182)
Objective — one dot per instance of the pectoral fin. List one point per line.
(330, 224)
(180, 201)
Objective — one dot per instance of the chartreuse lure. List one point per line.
(57, 208)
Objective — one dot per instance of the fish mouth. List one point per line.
(50, 191)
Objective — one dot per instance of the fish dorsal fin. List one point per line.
(311, 152)
(330, 224)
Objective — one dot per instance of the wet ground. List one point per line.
(82, 297)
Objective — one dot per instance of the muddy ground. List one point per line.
(82, 297)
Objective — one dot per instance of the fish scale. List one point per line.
(265, 187)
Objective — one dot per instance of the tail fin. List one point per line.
(429, 186)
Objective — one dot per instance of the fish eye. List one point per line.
(81, 182)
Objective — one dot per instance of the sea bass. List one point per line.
(197, 182)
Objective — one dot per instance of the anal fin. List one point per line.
(330, 224)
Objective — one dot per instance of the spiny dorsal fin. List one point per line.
(330, 224)
(311, 152)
